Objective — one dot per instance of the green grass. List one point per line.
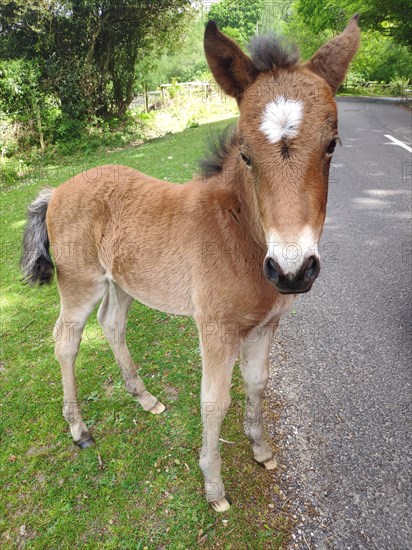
(141, 486)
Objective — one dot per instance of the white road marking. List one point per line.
(398, 142)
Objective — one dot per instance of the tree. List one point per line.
(243, 16)
(380, 58)
(87, 49)
(185, 63)
(391, 18)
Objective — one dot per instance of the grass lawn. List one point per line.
(140, 486)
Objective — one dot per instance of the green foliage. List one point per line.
(275, 16)
(86, 50)
(173, 89)
(302, 34)
(27, 115)
(192, 123)
(187, 63)
(12, 170)
(243, 16)
(236, 35)
(19, 86)
(380, 58)
(391, 19)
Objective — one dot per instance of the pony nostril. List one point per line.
(312, 268)
(271, 270)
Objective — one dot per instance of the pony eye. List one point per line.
(331, 147)
(246, 160)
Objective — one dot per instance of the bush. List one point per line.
(381, 59)
(68, 129)
(174, 88)
(12, 170)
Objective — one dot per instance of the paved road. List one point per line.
(341, 366)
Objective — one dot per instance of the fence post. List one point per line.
(39, 126)
(146, 98)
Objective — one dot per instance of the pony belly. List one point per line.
(173, 299)
(167, 305)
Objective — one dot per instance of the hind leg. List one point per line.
(77, 302)
(112, 318)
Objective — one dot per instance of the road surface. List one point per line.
(341, 364)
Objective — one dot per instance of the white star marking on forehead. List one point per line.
(281, 119)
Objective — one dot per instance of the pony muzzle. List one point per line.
(292, 282)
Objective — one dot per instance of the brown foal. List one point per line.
(231, 248)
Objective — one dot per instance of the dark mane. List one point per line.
(219, 146)
(273, 51)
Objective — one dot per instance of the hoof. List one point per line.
(221, 505)
(158, 408)
(85, 443)
(270, 464)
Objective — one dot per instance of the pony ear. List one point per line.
(332, 60)
(232, 69)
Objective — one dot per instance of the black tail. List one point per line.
(36, 263)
